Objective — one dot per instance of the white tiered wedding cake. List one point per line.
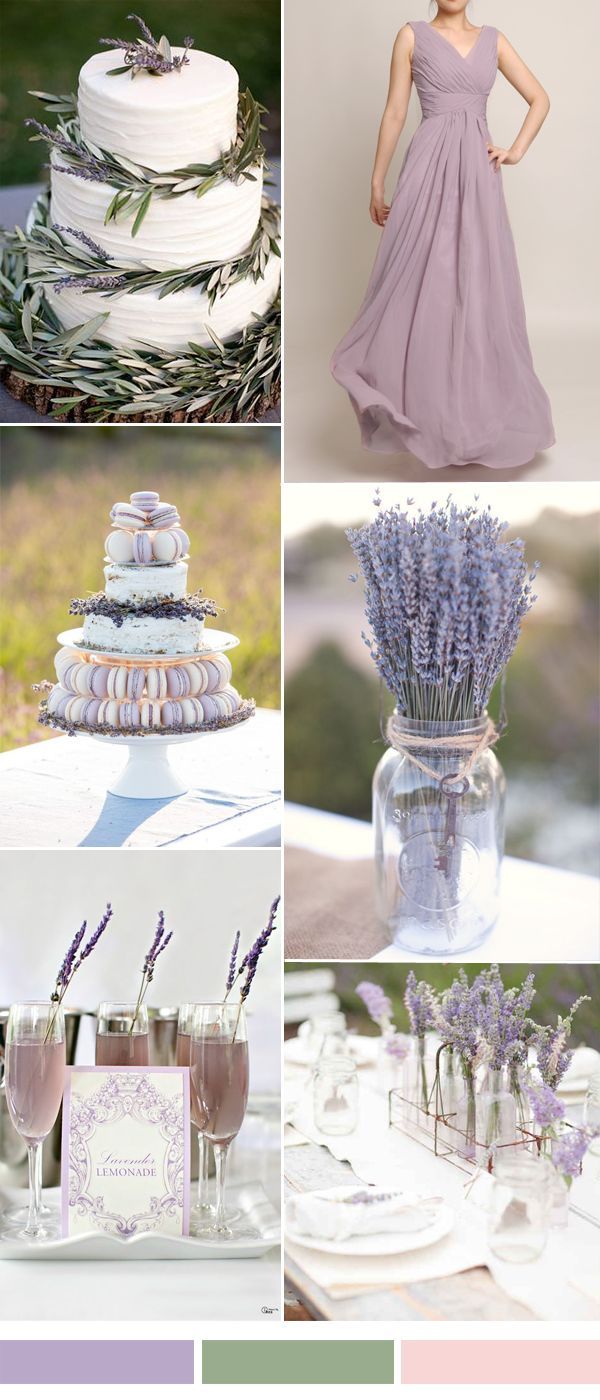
(144, 660)
(157, 132)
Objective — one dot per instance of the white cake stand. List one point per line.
(148, 772)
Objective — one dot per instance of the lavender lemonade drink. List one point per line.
(35, 1075)
(122, 1037)
(219, 1086)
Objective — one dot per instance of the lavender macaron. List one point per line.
(127, 517)
(142, 548)
(172, 713)
(178, 682)
(144, 500)
(136, 680)
(163, 515)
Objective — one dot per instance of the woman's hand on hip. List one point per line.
(378, 208)
(497, 157)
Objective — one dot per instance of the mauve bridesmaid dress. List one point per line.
(438, 362)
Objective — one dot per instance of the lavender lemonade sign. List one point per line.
(125, 1151)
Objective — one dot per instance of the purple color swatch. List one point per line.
(97, 1363)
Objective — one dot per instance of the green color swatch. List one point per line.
(298, 1363)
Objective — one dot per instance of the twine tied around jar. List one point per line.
(471, 745)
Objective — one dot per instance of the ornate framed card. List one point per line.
(126, 1151)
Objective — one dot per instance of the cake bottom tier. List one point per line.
(168, 636)
(170, 322)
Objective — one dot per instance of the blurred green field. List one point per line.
(57, 488)
(556, 990)
(334, 701)
(45, 42)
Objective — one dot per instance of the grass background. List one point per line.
(45, 42)
(58, 485)
(556, 990)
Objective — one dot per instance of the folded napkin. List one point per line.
(361, 1212)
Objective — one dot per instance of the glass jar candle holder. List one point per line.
(439, 838)
(518, 1213)
(335, 1096)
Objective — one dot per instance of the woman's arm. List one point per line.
(518, 75)
(392, 121)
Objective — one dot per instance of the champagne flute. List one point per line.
(122, 1035)
(219, 1090)
(203, 1209)
(34, 1081)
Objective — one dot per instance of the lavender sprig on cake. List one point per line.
(147, 54)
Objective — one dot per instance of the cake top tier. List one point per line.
(146, 531)
(163, 122)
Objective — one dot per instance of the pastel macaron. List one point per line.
(172, 713)
(142, 548)
(136, 680)
(68, 675)
(119, 547)
(128, 517)
(156, 683)
(178, 682)
(149, 714)
(89, 712)
(109, 713)
(57, 701)
(129, 714)
(197, 677)
(144, 500)
(65, 658)
(233, 695)
(162, 516)
(117, 682)
(166, 546)
(185, 539)
(192, 711)
(217, 675)
(223, 703)
(98, 681)
(74, 708)
(210, 711)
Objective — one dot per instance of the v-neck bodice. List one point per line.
(448, 81)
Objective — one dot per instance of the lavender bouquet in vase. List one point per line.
(445, 595)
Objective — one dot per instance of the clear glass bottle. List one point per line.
(495, 1117)
(466, 1127)
(591, 1113)
(418, 1078)
(335, 1096)
(451, 1088)
(392, 1052)
(438, 842)
(519, 1206)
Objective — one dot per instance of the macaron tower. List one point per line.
(143, 661)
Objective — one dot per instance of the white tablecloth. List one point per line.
(554, 1287)
(546, 914)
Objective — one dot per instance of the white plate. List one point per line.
(260, 1215)
(365, 1245)
(213, 641)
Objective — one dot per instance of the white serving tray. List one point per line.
(213, 641)
(262, 1220)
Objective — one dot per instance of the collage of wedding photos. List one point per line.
(299, 692)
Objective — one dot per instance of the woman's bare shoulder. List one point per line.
(405, 41)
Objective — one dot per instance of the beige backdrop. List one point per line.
(337, 57)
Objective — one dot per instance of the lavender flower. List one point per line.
(155, 56)
(377, 1003)
(395, 1044)
(569, 1151)
(445, 596)
(74, 957)
(547, 1108)
(419, 1000)
(84, 238)
(502, 1017)
(553, 1053)
(250, 962)
(457, 1020)
(158, 946)
(233, 962)
(65, 971)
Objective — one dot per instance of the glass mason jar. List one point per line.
(518, 1214)
(324, 1035)
(438, 842)
(495, 1117)
(335, 1096)
(392, 1052)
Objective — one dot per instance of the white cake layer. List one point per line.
(144, 636)
(175, 232)
(163, 123)
(135, 583)
(169, 324)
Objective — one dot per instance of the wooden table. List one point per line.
(54, 794)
